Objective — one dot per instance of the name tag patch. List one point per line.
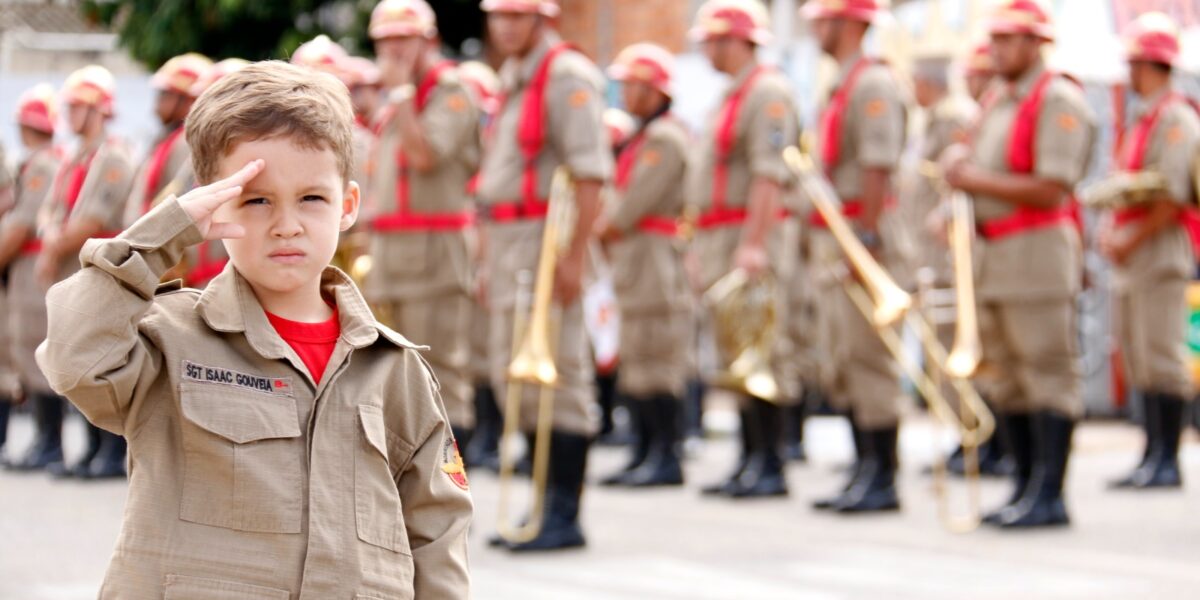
(219, 375)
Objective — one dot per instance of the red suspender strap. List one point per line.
(158, 161)
(835, 113)
(72, 175)
(1022, 152)
(652, 224)
(206, 268)
(718, 214)
(403, 219)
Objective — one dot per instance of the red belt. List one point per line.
(518, 211)
(851, 209)
(730, 216)
(424, 222)
(1027, 219)
(1187, 218)
(659, 226)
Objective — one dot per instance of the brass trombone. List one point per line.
(532, 364)
(886, 305)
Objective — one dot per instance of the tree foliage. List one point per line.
(155, 30)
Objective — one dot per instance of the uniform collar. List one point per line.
(740, 79)
(845, 67)
(517, 73)
(1023, 86)
(229, 305)
(1145, 105)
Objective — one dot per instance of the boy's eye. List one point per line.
(313, 198)
(254, 201)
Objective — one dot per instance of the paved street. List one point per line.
(674, 545)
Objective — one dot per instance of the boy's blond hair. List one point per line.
(271, 99)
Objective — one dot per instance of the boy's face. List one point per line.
(292, 213)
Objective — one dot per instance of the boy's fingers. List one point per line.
(216, 198)
(225, 231)
(246, 173)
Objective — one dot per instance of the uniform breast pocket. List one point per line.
(377, 508)
(243, 459)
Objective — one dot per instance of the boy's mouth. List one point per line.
(287, 255)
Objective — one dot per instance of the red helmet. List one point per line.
(36, 110)
(743, 19)
(647, 63)
(546, 8)
(218, 71)
(360, 71)
(1153, 37)
(402, 18)
(1021, 17)
(92, 86)
(181, 73)
(853, 10)
(322, 54)
(619, 124)
(979, 62)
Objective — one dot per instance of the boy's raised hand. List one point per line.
(202, 202)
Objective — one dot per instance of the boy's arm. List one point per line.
(93, 353)
(437, 511)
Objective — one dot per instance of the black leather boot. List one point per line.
(1151, 419)
(483, 450)
(608, 398)
(1017, 430)
(764, 475)
(110, 459)
(662, 464)
(793, 431)
(644, 419)
(46, 451)
(875, 490)
(748, 437)
(1042, 505)
(1163, 470)
(5, 408)
(855, 470)
(564, 492)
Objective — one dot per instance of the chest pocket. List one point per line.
(377, 508)
(243, 459)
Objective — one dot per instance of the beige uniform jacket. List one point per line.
(1172, 146)
(1043, 263)
(248, 479)
(102, 198)
(8, 376)
(413, 264)
(947, 123)
(766, 124)
(26, 299)
(648, 267)
(143, 195)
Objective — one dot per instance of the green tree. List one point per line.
(155, 30)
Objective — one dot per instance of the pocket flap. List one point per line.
(199, 588)
(373, 427)
(240, 417)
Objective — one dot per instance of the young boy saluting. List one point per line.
(283, 444)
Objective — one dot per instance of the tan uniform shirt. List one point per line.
(1173, 144)
(872, 132)
(8, 379)
(142, 194)
(947, 123)
(425, 263)
(1043, 263)
(247, 478)
(766, 124)
(26, 299)
(575, 138)
(647, 267)
(102, 198)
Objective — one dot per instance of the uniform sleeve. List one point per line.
(437, 510)
(773, 127)
(1176, 140)
(659, 169)
(576, 129)
(6, 177)
(448, 121)
(1065, 135)
(878, 122)
(106, 190)
(35, 188)
(95, 353)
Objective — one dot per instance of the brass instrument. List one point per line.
(744, 327)
(353, 257)
(883, 303)
(533, 364)
(1124, 188)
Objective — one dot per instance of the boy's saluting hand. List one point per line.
(201, 203)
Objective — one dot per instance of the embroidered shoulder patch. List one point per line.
(452, 464)
(217, 375)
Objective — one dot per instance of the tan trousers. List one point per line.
(655, 353)
(443, 323)
(1150, 324)
(1030, 356)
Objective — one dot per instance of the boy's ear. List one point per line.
(350, 204)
